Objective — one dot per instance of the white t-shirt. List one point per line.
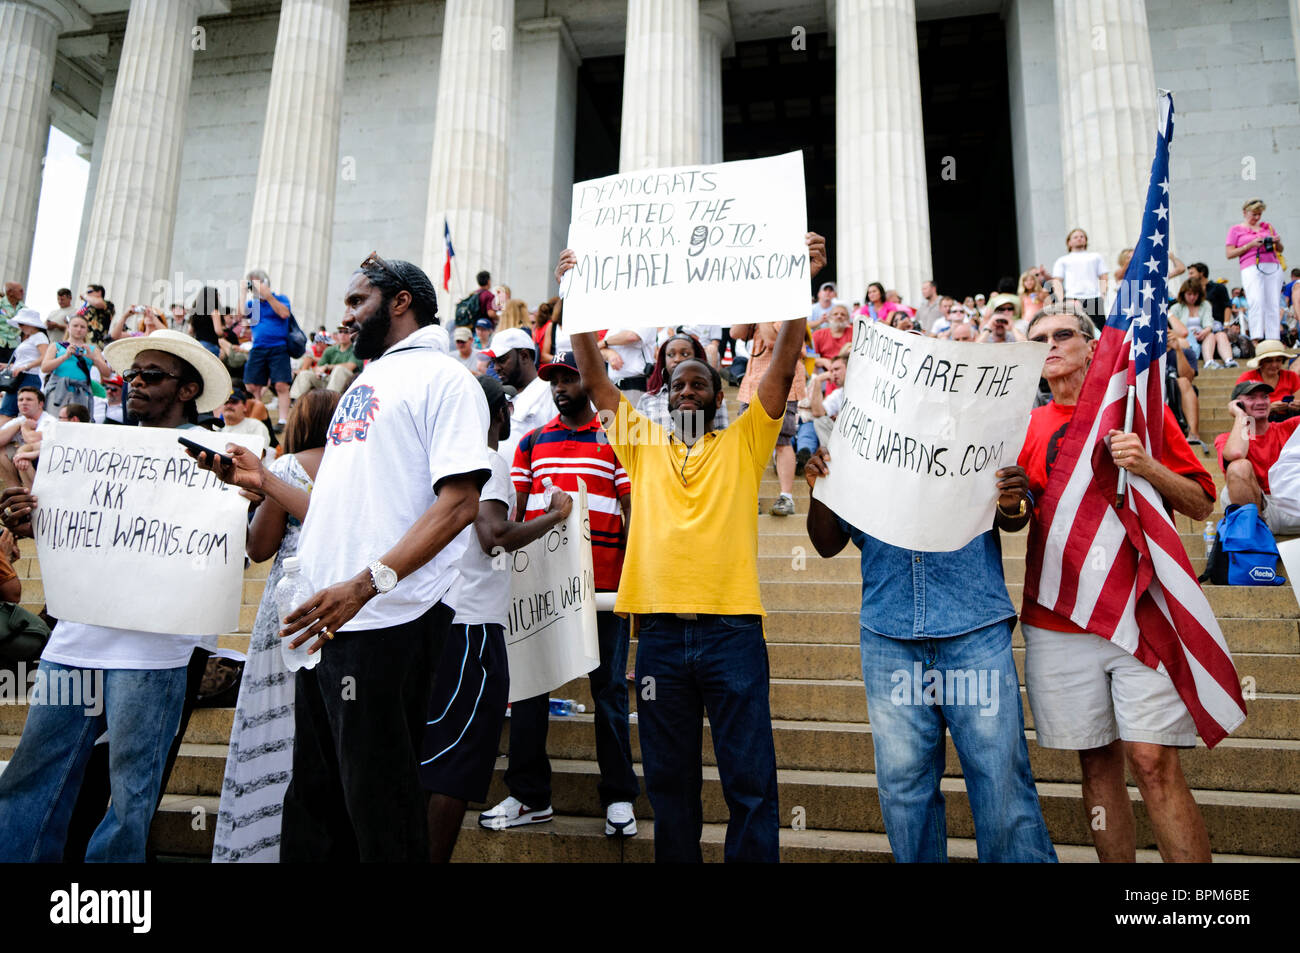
(413, 417)
(82, 645)
(638, 358)
(533, 406)
(482, 594)
(706, 334)
(833, 402)
(1080, 271)
(248, 425)
(42, 424)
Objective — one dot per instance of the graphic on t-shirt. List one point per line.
(355, 414)
(1054, 447)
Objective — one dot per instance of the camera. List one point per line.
(249, 284)
(1268, 244)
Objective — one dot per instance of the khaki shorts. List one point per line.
(1279, 523)
(789, 424)
(1085, 692)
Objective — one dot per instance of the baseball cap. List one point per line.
(565, 360)
(483, 323)
(509, 340)
(1249, 387)
(496, 393)
(463, 334)
(828, 284)
(238, 394)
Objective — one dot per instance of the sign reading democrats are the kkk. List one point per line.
(130, 532)
(551, 621)
(925, 426)
(711, 243)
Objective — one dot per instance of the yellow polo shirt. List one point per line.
(693, 545)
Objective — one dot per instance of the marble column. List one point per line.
(541, 154)
(1295, 34)
(661, 85)
(882, 210)
(471, 164)
(293, 206)
(129, 239)
(1107, 93)
(29, 32)
(716, 41)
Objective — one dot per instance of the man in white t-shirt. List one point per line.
(405, 458)
(514, 356)
(822, 306)
(56, 322)
(1080, 275)
(635, 352)
(140, 677)
(468, 707)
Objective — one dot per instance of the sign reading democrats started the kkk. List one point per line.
(130, 532)
(925, 426)
(715, 243)
(551, 623)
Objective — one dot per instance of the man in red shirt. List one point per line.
(572, 447)
(1249, 449)
(830, 340)
(1088, 694)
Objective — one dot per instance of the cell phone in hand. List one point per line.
(226, 460)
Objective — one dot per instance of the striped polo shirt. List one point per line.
(566, 456)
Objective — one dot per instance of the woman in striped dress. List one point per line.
(260, 759)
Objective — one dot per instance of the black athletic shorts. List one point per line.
(466, 713)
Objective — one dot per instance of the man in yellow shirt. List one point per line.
(700, 631)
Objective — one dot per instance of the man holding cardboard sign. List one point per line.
(697, 609)
(142, 686)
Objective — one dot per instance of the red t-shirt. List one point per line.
(1288, 382)
(566, 456)
(1264, 448)
(828, 344)
(1046, 429)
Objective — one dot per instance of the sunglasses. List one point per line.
(374, 260)
(148, 377)
(1059, 336)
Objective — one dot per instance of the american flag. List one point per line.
(451, 253)
(1122, 573)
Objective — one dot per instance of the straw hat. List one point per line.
(999, 300)
(1269, 349)
(216, 379)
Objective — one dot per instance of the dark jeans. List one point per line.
(359, 719)
(717, 663)
(529, 775)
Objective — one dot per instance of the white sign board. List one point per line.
(132, 534)
(715, 243)
(925, 426)
(551, 624)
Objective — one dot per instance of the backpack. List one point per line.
(1244, 553)
(469, 309)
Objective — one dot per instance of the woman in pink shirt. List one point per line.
(1257, 245)
(876, 307)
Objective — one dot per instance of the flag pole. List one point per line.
(1121, 487)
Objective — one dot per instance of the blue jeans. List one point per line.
(978, 700)
(140, 710)
(717, 663)
(806, 437)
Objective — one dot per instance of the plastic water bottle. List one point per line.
(548, 491)
(566, 706)
(291, 591)
(1210, 534)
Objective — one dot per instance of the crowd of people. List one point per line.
(474, 430)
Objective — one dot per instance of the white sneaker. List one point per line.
(1229, 363)
(1212, 365)
(619, 820)
(513, 813)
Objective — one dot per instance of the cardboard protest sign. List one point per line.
(131, 534)
(551, 624)
(925, 426)
(713, 243)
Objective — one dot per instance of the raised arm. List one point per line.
(788, 351)
(604, 395)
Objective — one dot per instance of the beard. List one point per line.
(691, 424)
(368, 342)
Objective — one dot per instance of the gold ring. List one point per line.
(327, 635)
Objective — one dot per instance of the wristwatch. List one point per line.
(382, 577)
